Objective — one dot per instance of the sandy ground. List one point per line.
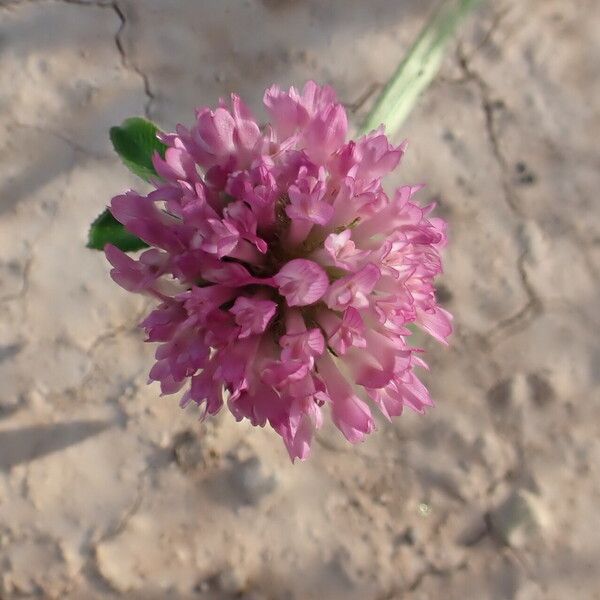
(109, 491)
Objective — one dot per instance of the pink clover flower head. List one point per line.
(285, 276)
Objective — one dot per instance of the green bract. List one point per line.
(107, 230)
(135, 142)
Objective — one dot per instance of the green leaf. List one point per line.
(418, 68)
(135, 142)
(107, 230)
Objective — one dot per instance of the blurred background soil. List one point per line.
(109, 491)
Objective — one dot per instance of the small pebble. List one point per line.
(519, 519)
(252, 480)
(188, 451)
(231, 581)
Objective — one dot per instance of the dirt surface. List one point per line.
(109, 491)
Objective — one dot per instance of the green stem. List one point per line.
(418, 68)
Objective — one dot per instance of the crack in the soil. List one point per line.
(19, 295)
(125, 61)
(354, 106)
(533, 307)
(113, 5)
(75, 147)
(489, 106)
(431, 570)
(90, 570)
(129, 326)
(150, 96)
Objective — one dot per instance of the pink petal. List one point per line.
(302, 282)
(353, 290)
(253, 315)
(438, 322)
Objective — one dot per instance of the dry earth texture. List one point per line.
(109, 491)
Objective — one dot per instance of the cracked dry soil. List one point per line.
(109, 491)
